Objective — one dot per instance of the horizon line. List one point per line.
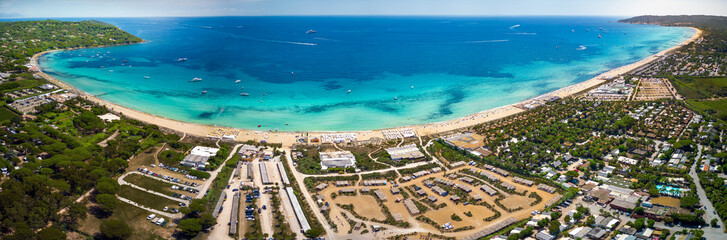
(363, 15)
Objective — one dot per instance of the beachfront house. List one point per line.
(406, 152)
(198, 157)
(338, 159)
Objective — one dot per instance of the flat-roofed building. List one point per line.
(467, 180)
(522, 181)
(507, 186)
(411, 207)
(409, 152)
(477, 197)
(439, 191)
(198, 157)
(463, 187)
(380, 194)
(501, 172)
(321, 186)
(488, 190)
(546, 188)
(338, 159)
(432, 198)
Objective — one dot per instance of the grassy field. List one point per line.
(134, 216)
(146, 199)
(6, 114)
(151, 184)
(700, 87)
(716, 108)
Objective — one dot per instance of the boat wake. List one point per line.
(525, 33)
(581, 47)
(489, 41)
(514, 26)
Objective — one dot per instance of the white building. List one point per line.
(410, 151)
(342, 159)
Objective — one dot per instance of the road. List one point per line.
(221, 229)
(709, 232)
(308, 198)
(206, 185)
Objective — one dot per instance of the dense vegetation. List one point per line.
(21, 40)
(715, 26)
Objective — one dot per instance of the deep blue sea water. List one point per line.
(456, 65)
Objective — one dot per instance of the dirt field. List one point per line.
(364, 205)
(666, 201)
(145, 158)
(516, 201)
(443, 215)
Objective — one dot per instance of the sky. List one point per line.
(177, 8)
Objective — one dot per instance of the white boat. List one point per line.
(310, 31)
(181, 59)
(572, 30)
(204, 92)
(412, 86)
(349, 91)
(395, 98)
(244, 94)
(196, 79)
(599, 36)
(146, 77)
(237, 81)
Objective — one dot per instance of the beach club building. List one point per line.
(198, 157)
(338, 159)
(409, 152)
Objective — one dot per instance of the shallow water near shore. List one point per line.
(400, 70)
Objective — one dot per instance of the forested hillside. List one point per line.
(21, 40)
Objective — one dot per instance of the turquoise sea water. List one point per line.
(456, 65)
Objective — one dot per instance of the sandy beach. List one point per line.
(289, 138)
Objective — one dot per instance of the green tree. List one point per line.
(51, 233)
(650, 223)
(108, 202)
(207, 220)
(107, 186)
(88, 122)
(115, 229)
(571, 175)
(76, 212)
(688, 201)
(313, 232)
(714, 222)
(554, 227)
(190, 227)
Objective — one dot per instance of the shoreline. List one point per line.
(289, 137)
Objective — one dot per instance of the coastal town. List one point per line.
(635, 153)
